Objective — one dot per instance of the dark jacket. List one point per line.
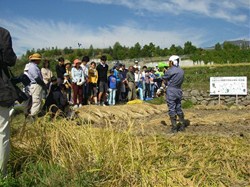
(60, 70)
(55, 97)
(7, 55)
(8, 94)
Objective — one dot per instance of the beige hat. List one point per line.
(35, 56)
(67, 62)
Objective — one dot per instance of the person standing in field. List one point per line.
(175, 77)
(77, 83)
(131, 83)
(7, 97)
(102, 70)
(93, 78)
(60, 70)
(46, 72)
(112, 88)
(67, 64)
(85, 68)
(37, 85)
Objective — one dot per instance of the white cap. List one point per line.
(175, 59)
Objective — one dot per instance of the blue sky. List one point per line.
(65, 23)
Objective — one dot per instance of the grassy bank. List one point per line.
(199, 77)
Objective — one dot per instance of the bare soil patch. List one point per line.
(148, 118)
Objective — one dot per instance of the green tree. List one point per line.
(91, 52)
(218, 47)
(189, 48)
(119, 52)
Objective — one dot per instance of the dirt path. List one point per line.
(149, 118)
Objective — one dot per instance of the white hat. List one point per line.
(175, 59)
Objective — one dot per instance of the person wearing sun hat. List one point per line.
(67, 64)
(36, 84)
(77, 83)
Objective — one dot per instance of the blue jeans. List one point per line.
(141, 95)
(111, 97)
(152, 89)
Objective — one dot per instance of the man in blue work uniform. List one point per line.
(175, 77)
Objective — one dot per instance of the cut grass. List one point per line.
(59, 153)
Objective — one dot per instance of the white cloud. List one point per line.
(28, 34)
(227, 10)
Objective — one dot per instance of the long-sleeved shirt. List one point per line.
(77, 75)
(47, 74)
(174, 77)
(85, 69)
(34, 72)
(130, 77)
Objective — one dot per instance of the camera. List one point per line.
(24, 79)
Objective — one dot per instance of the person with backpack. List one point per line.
(8, 96)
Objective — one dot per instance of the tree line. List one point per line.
(220, 54)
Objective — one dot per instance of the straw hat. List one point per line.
(67, 62)
(35, 56)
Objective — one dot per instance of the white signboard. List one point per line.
(228, 85)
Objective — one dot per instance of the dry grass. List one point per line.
(61, 153)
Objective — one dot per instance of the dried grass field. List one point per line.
(130, 145)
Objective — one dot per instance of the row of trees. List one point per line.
(221, 53)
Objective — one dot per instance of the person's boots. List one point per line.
(174, 124)
(182, 122)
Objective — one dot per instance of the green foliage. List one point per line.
(157, 101)
(187, 104)
(9, 181)
(222, 54)
(189, 48)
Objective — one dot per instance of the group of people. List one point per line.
(81, 83)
